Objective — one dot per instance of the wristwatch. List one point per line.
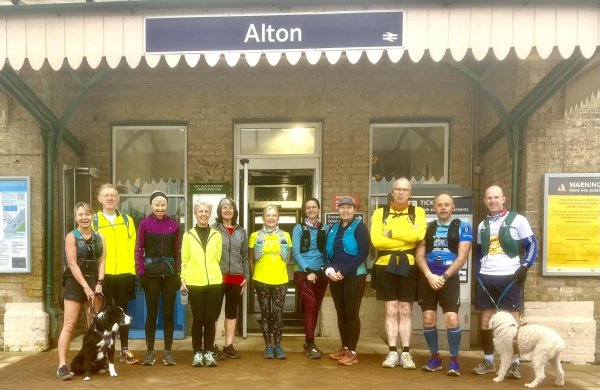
(445, 276)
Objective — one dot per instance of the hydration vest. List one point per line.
(305, 241)
(350, 244)
(453, 235)
(509, 245)
(87, 265)
(259, 246)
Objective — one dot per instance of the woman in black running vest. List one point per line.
(82, 279)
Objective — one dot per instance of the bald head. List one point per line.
(495, 190)
(443, 206)
(494, 200)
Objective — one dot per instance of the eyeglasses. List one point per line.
(110, 196)
(401, 189)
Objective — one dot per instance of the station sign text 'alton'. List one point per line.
(281, 32)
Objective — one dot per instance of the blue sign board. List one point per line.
(279, 32)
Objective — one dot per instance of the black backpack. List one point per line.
(305, 241)
(411, 213)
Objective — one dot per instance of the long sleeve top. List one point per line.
(311, 259)
(344, 262)
(157, 238)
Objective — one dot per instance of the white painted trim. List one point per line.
(441, 31)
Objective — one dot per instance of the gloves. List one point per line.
(521, 274)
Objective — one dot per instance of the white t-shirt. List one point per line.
(496, 262)
(110, 217)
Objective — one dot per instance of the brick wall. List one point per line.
(345, 97)
(566, 144)
(21, 155)
(552, 143)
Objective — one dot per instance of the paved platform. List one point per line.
(20, 370)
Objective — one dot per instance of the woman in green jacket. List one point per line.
(201, 276)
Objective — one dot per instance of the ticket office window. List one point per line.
(147, 159)
(417, 151)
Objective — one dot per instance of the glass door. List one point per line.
(277, 163)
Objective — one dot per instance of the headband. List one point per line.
(156, 195)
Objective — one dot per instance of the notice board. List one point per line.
(15, 235)
(572, 224)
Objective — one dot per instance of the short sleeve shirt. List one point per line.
(270, 268)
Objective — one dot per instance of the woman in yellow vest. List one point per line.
(268, 256)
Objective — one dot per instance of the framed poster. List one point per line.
(15, 235)
(208, 192)
(572, 224)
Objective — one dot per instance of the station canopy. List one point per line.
(444, 32)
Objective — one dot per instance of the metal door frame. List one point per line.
(270, 162)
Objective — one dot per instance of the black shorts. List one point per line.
(119, 289)
(393, 287)
(495, 285)
(73, 290)
(448, 297)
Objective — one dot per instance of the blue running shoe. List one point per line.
(269, 354)
(433, 364)
(279, 352)
(453, 368)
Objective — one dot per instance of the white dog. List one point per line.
(540, 342)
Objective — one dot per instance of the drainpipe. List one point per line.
(49, 305)
(516, 167)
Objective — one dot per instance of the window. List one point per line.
(147, 159)
(417, 151)
(278, 139)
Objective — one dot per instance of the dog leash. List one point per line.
(98, 304)
(506, 289)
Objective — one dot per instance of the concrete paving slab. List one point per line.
(37, 371)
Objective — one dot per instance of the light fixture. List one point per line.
(284, 193)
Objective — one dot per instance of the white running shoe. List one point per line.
(392, 360)
(406, 361)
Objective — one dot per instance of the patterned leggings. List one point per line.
(271, 299)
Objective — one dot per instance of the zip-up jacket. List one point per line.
(405, 233)
(119, 240)
(199, 264)
(156, 239)
(234, 258)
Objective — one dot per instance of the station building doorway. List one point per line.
(275, 163)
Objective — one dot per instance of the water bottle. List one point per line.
(184, 297)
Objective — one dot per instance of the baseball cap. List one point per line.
(347, 200)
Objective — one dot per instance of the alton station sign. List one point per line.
(251, 33)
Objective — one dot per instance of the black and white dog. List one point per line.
(99, 343)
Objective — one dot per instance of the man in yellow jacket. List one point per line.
(395, 231)
(119, 280)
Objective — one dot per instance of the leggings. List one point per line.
(205, 302)
(312, 296)
(154, 287)
(347, 296)
(271, 299)
(232, 294)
